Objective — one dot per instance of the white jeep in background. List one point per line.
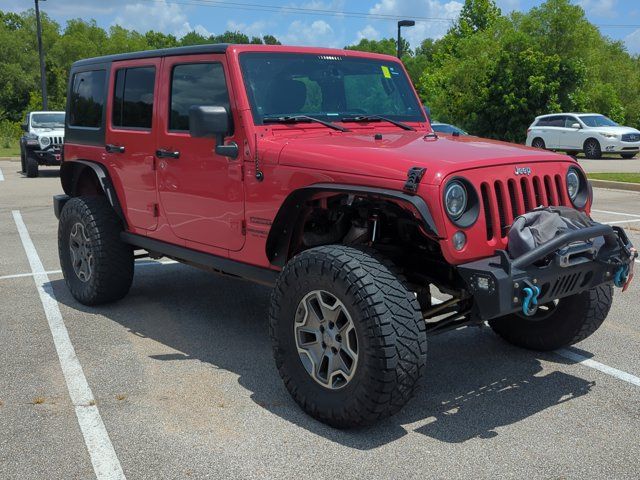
(591, 133)
(42, 141)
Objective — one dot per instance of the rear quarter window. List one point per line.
(87, 99)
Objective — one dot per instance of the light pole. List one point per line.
(43, 78)
(401, 23)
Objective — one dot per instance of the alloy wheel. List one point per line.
(326, 339)
(81, 254)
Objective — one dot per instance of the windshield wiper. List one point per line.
(378, 118)
(302, 119)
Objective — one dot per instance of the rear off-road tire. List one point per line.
(572, 320)
(388, 335)
(97, 265)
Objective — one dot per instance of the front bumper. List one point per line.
(51, 156)
(618, 146)
(567, 265)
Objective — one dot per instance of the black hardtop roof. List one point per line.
(163, 52)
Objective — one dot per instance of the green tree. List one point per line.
(476, 16)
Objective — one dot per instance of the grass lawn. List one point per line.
(10, 151)
(616, 177)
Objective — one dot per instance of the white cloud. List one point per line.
(423, 8)
(160, 16)
(368, 32)
(255, 29)
(508, 6)
(633, 41)
(599, 8)
(316, 33)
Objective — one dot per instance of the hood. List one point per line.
(619, 129)
(393, 155)
(48, 132)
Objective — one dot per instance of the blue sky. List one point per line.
(289, 22)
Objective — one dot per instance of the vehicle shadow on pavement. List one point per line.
(49, 173)
(475, 383)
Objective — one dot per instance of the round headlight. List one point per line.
(573, 184)
(45, 141)
(455, 199)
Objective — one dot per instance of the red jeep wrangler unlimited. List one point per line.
(316, 171)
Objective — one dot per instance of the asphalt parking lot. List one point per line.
(181, 381)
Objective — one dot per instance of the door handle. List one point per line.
(162, 153)
(114, 148)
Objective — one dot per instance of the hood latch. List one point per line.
(414, 175)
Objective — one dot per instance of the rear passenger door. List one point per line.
(130, 138)
(549, 130)
(201, 192)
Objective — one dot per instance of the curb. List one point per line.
(633, 187)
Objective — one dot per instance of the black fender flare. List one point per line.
(70, 172)
(279, 238)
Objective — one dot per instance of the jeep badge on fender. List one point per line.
(316, 172)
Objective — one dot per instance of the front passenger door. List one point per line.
(201, 192)
(574, 136)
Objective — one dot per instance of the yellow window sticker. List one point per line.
(385, 71)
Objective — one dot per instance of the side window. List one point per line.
(557, 121)
(133, 97)
(87, 99)
(543, 122)
(570, 121)
(195, 84)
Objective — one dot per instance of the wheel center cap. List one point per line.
(329, 339)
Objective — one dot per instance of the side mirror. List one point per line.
(24, 127)
(576, 125)
(212, 121)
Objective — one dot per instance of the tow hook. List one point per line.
(530, 302)
(621, 276)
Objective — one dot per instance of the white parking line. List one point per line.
(103, 457)
(635, 220)
(614, 372)
(21, 275)
(54, 272)
(587, 362)
(616, 213)
(1, 176)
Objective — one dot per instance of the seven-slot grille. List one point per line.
(56, 140)
(504, 200)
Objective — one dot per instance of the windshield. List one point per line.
(327, 87)
(597, 121)
(47, 120)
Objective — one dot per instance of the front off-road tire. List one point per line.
(572, 320)
(388, 335)
(31, 166)
(23, 160)
(97, 265)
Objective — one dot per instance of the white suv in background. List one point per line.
(591, 133)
